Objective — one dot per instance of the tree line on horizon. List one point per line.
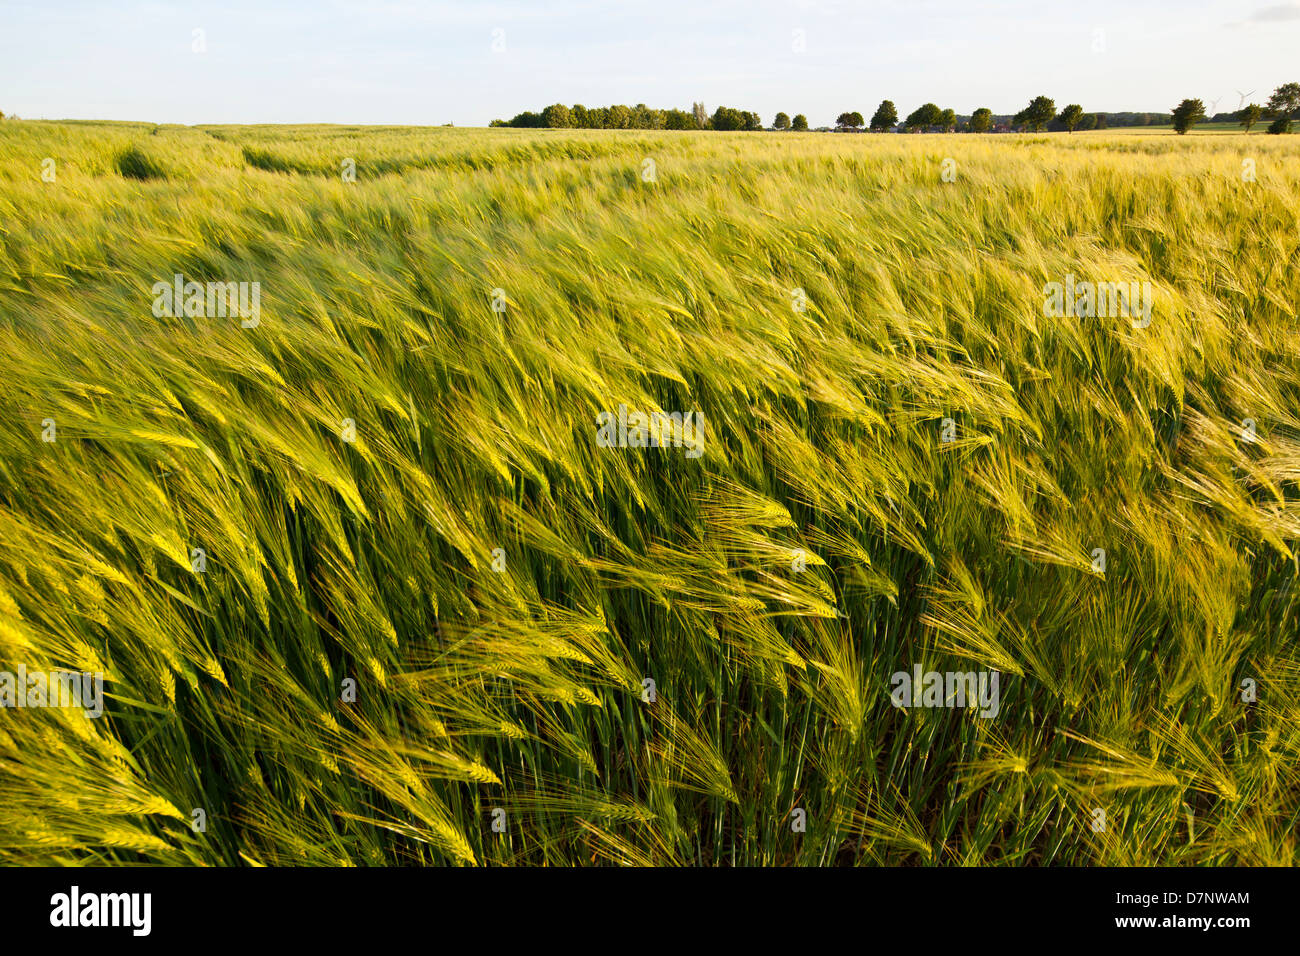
(1282, 107)
(1041, 114)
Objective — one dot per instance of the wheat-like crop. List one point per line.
(429, 602)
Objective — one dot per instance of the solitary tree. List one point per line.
(1187, 114)
(799, 123)
(925, 115)
(1070, 116)
(981, 120)
(1249, 115)
(1037, 114)
(849, 121)
(886, 116)
(1284, 104)
(782, 121)
(1285, 101)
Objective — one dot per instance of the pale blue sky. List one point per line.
(350, 61)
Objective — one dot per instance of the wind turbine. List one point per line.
(1243, 99)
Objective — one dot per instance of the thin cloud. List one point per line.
(1280, 13)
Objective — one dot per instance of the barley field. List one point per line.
(367, 586)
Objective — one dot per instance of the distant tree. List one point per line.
(701, 115)
(981, 120)
(1089, 121)
(680, 119)
(725, 118)
(620, 117)
(1284, 104)
(885, 118)
(1249, 115)
(498, 122)
(580, 117)
(557, 116)
(752, 121)
(1285, 101)
(527, 120)
(923, 116)
(948, 120)
(1187, 114)
(1037, 114)
(782, 121)
(643, 117)
(799, 123)
(851, 121)
(1101, 120)
(1071, 116)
